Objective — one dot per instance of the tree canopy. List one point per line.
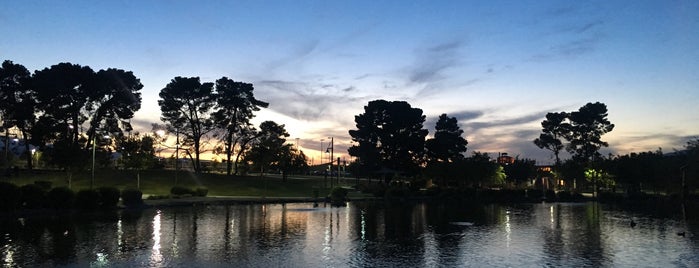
(582, 130)
(185, 103)
(390, 135)
(448, 144)
(235, 104)
(554, 128)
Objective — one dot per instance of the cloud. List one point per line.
(307, 101)
(433, 61)
(538, 116)
(299, 53)
(461, 116)
(574, 30)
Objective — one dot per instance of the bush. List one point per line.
(376, 189)
(396, 191)
(338, 196)
(61, 198)
(33, 196)
(338, 193)
(132, 197)
(179, 190)
(201, 191)
(10, 196)
(46, 185)
(109, 197)
(87, 199)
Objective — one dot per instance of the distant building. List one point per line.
(504, 159)
(16, 147)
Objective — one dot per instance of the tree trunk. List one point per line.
(27, 150)
(229, 152)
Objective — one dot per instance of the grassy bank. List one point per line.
(159, 182)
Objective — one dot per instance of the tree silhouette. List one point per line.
(185, 104)
(445, 150)
(69, 95)
(17, 104)
(390, 135)
(63, 91)
(114, 101)
(269, 146)
(554, 128)
(447, 145)
(235, 106)
(587, 125)
(520, 170)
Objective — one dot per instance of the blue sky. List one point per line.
(498, 66)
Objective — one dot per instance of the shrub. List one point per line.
(87, 199)
(338, 196)
(396, 191)
(61, 198)
(10, 196)
(132, 197)
(33, 196)
(109, 197)
(338, 193)
(179, 190)
(201, 191)
(46, 185)
(376, 189)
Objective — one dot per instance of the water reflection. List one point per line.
(362, 234)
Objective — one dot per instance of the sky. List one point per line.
(497, 66)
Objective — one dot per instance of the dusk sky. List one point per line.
(497, 66)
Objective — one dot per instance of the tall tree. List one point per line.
(185, 104)
(269, 146)
(587, 125)
(390, 135)
(445, 150)
(235, 106)
(63, 90)
(114, 101)
(447, 145)
(137, 152)
(17, 104)
(553, 129)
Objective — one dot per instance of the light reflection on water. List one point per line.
(362, 234)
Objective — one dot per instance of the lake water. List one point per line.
(359, 235)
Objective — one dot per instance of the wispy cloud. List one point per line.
(570, 49)
(574, 30)
(307, 101)
(430, 63)
(298, 53)
(539, 116)
(461, 117)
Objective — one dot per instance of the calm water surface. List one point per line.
(360, 235)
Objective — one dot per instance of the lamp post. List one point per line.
(330, 148)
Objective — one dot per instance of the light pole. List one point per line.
(330, 148)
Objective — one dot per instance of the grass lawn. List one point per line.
(159, 182)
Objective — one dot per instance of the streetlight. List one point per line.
(330, 148)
